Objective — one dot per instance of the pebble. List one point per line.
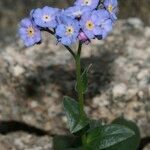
(143, 74)
(33, 104)
(147, 32)
(141, 94)
(131, 93)
(135, 22)
(18, 70)
(101, 100)
(119, 90)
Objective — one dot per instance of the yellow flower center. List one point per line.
(89, 25)
(110, 8)
(69, 30)
(30, 31)
(87, 2)
(46, 18)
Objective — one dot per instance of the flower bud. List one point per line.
(83, 38)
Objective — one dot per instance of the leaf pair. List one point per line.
(96, 136)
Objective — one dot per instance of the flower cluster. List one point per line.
(86, 20)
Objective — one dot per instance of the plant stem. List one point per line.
(78, 72)
(67, 47)
(70, 50)
(79, 80)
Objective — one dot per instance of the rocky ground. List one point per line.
(34, 80)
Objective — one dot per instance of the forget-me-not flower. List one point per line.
(112, 7)
(91, 3)
(68, 30)
(45, 17)
(76, 11)
(105, 22)
(90, 24)
(29, 33)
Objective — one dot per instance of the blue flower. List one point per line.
(112, 7)
(91, 3)
(67, 31)
(76, 11)
(29, 33)
(105, 22)
(90, 24)
(45, 17)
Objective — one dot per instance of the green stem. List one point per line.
(67, 47)
(78, 72)
(70, 50)
(79, 81)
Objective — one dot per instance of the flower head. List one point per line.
(68, 30)
(90, 24)
(76, 11)
(29, 33)
(45, 17)
(112, 8)
(105, 23)
(91, 3)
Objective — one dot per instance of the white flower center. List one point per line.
(46, 18)
(87, 2)
(69, 30)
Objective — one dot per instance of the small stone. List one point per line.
(147, 147)
(34, 104)
(18, 70)
(141, 94)
(19, 143)
(3, 147)
(143, 83)
(87, 109)
(29, 118)
(143, 74)
(147, 32)
(149, 90)
(119, 90)
(135, 22)
(64, 119)
(101, 100)
(48, 126)
(131, 93)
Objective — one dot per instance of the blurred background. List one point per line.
(33, 80)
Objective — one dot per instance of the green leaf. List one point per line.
(95, 123)
(79, 148)
(84, 80)
(106, 136)
(75, 121)
(62, 142)
(133, 142)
